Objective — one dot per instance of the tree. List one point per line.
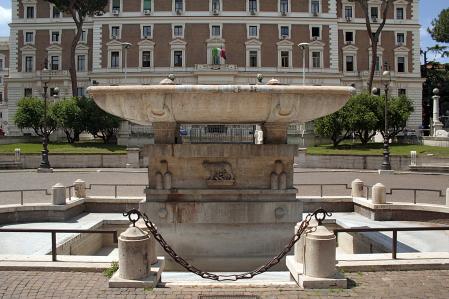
(69, 117)
(79, 10)
(399, 110)
(31, 114)
(361, 116)
(333, 126)
(440, 27)
(373, 34)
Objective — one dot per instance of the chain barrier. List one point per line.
(134, 215)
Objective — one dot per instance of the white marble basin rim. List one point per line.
(146, 104)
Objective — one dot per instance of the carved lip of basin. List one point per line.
(146, 104)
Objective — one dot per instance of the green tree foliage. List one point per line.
(31, 115)
(399, 110)
(333, 126)
(69, 118)
(440, 27)
(436, 76)
(79, 10)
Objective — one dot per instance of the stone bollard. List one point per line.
(357, 188)
(58, 194)
(152, 257)
(447, 197)
(132, 157)
(80, 188)
(379, 195)
(299, 246)
(17, 155)
(133, 247)
(412, 158)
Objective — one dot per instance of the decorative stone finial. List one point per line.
(273, 81)
(170, 80)
(436, 91)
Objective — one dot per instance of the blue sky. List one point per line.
(429, 10)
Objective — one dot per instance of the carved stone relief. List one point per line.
(163, 177)
(278, 176)
(220, 173)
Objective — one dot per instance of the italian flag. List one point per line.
(219, 52)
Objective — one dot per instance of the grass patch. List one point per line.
(376, 149)
(111, 270)
(64, 148)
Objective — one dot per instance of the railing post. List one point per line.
(53, 246)
(447, 197)
(357, 188)
(321, 190)
(395, 244)
(115, 191)
(414, 196)
(59, 194)
(21, 197)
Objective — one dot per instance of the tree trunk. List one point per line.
(72, 70)
(373, 64)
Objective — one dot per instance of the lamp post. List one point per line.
(126, 46)
(386, 165)
(303, 47)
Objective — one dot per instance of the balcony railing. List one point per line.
(216, 67)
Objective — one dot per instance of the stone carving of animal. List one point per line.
(219, 171)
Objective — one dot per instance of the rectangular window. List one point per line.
(378, 64)
(215, 5)
(146, 59)
(374, 12)
(55, 37)
(348, 12)
(400, 13)
(80, 92)
(115, 32)
(146, 31)
(1, 65)
(115, 59)
(56, 13)
(179, 5)
(116, 5)
(30, 12)
(29, 37)
(285, 58)
(177, 58)
(283, 6)
(1, 98)
(400, 38)
(253, 58)
(349, 36)
(178, 30)
(81, 63)
(285, 32)
(252, 5)
(216, 30)
(401, 64)
(83, 37)
(28, 92)
(147, 5)
(28, 64)
(315, 7)
(315, 32)
(402, 92)
(316, 59)
(349, 63)
(54, 63)
(252, 31)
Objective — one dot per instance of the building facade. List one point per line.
(213, 41)
(4, 63)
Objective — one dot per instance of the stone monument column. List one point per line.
(437, 125)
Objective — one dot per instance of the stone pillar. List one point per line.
(379, 194)
(165, 133)
(80, 188)
(124, 133)
(357, 188)
(447, 197)
(275, 133)
(320, 251)
(133, 247)
(132, 158)
(58, 194)
(17, 155)
(437, 125)
(152, 257)
(299, 246)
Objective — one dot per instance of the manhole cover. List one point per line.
(228, 297)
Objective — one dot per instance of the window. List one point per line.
(401, 64)
(55, 36)
(316, 33)
(253, 58)
(285, 58)
(179, 5)
(348, 12)
(80, 92)
(252, 5)
(147, 5)
(83, 37)
(115, 59)
(30, 12)
(28, 92)
(28, 64)
(283, 6)
(177, 58)
(29, 37)
(56, 13)
(146, 59)
(81, 63)
(402, 92)
(216, 30)
(116, 5)
(378, 64)
(215, 5)
(400, 38)
(53, 92)
(178, 30)
(115, 32)
(146, 31)
(252, 31)
(54, 63)
(315, 7)
(374, 13)
(1, 66)
(1, 98)
(349, 36)
(349, 63)
(285, 32)
(399, 13)
(316, 59)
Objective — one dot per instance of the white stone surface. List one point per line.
(379, 195)
(58, 194)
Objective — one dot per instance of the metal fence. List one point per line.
(218, 133)
(115, 187)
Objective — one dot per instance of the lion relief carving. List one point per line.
(219, 171)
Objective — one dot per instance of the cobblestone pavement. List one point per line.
(412, 284)
(30, 179)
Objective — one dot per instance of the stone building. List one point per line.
(4, 59)
(184, 36)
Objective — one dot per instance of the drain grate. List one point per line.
(228, 297)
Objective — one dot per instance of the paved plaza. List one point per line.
(412, 284)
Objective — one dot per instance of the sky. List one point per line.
(429, 10)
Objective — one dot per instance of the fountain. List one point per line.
(224, 207)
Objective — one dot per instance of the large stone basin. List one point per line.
(148, 104)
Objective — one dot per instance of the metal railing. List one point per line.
(116, 186)
(53, 233)
(394, 230)
(22, 191)
(415, 191)
(322, 189)
(218, 133)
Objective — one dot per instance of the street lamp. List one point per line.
(303, 47)
(386, 165)
(126, 46)
(45, 163)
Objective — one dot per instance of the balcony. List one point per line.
(216, 68)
